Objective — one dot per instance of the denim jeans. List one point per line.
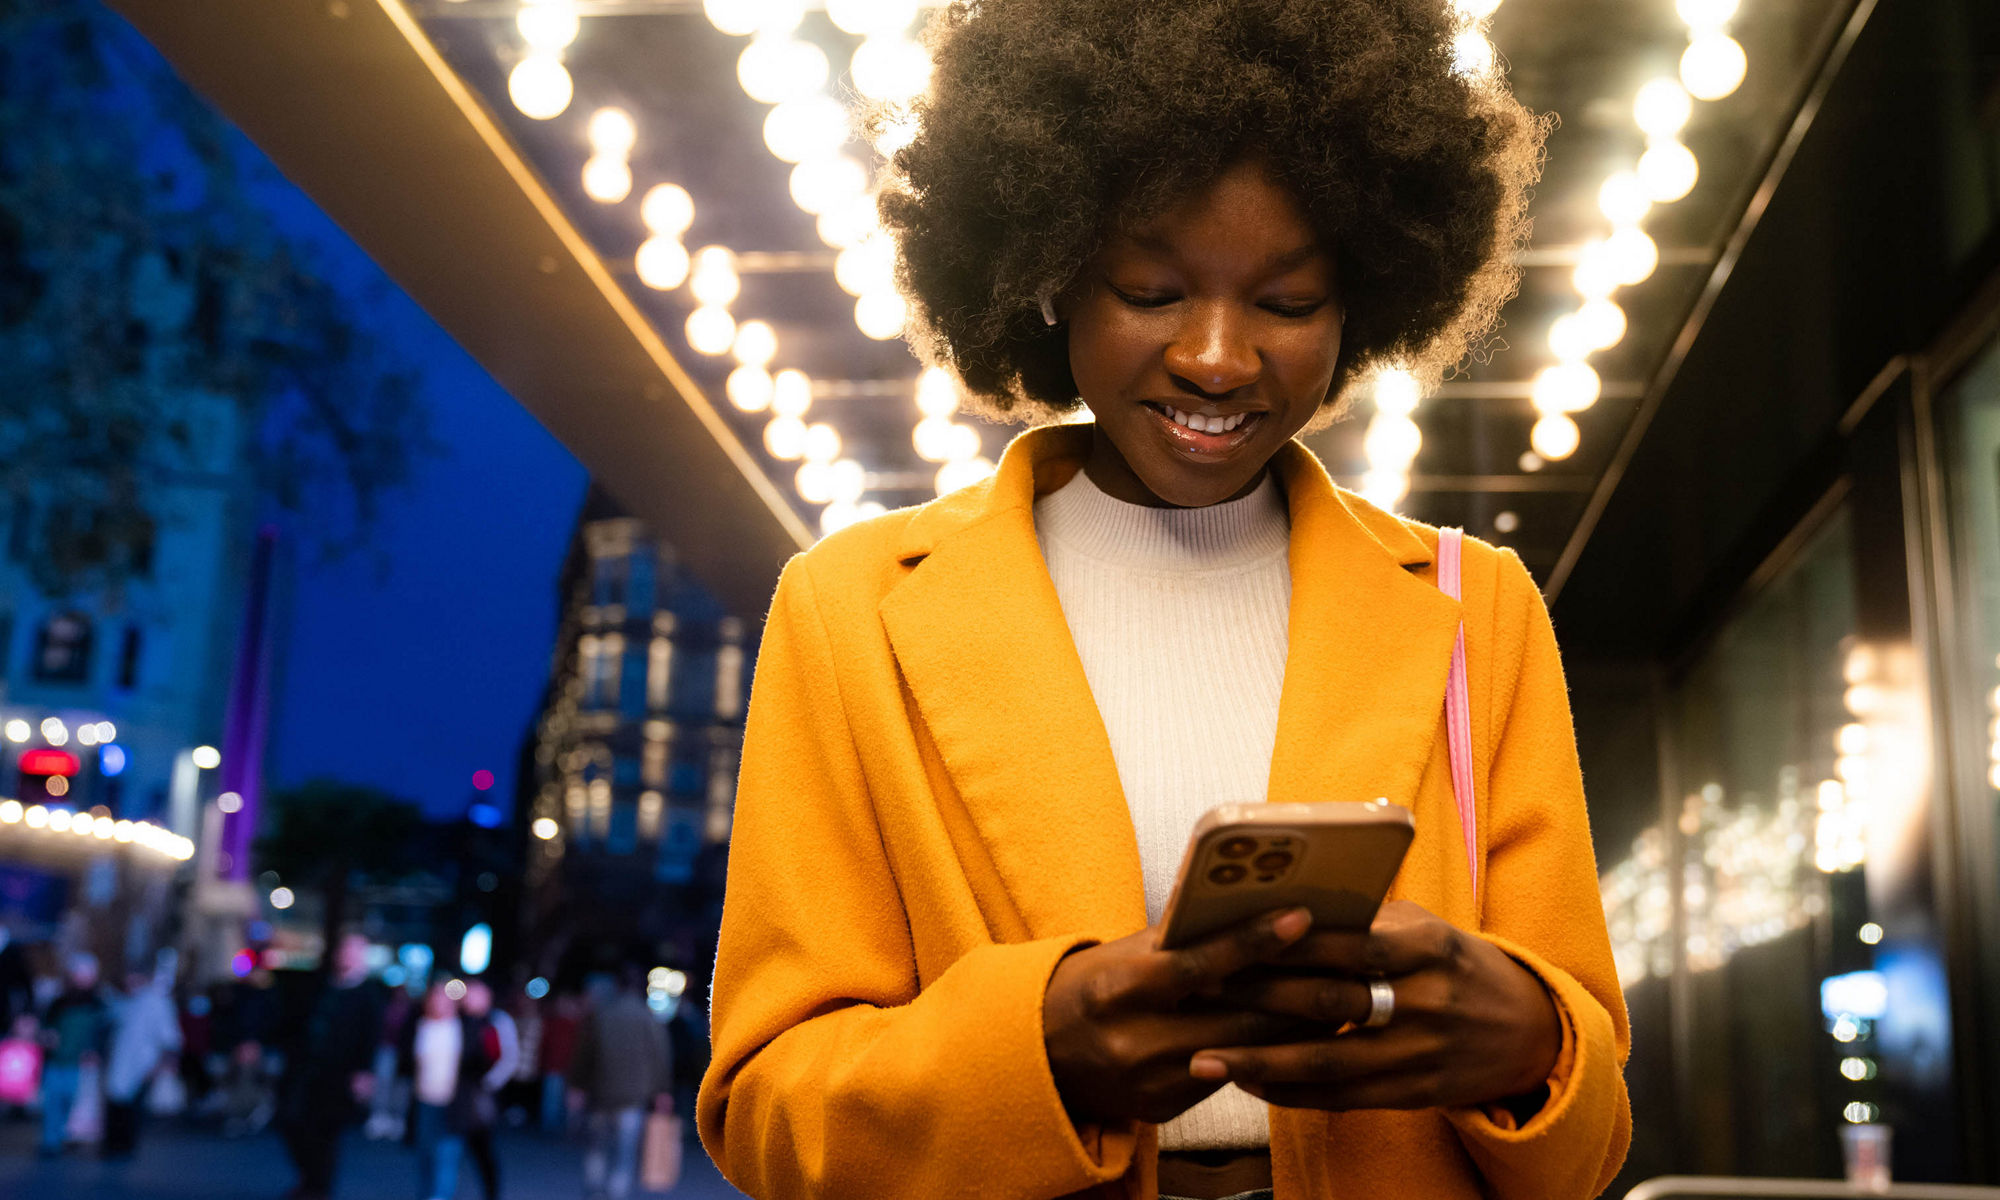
(611, 1158)
(438, 1152)
(59, 1087)
(555, 1103)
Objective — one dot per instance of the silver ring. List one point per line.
(1381, 1003)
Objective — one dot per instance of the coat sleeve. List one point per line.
(1540, 899)
(834, 1073)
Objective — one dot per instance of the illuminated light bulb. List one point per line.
(544, 828)
(82, 824)
(1471, 53)
(1506, 522)
(229, 802)
(774, 70)
(963, 473)
(121, 831)
(1634, 255)
(1623, 199)
(785, 438)
(714, 279)
(961, 442)
(612, 132)
(36, 817)
(1555, 437)
(896, 132)
(737, 18)
(1662, 108)
(849, 223)
(661, 262)
(791, 394)
(1383, 488)
(1993, 776)
(55, 732)
(607, 179)
(846, 481)
(1602, 322)
(937, 392)
(207, 758)
(749, 388)
(540, 87)
(1852, 738)
(1596, 274)
(802, 130)
(548, 25)
(1569, 338)
(1669, 171)
(822, 444)
(86, 735)
(1475, 10)
(864, 17)
(18, 730)
(1862, 699)
(1530, 462)
(1397, 392)
(59, 818)
(1870, 934)
(932, 438)
(1860, 665)
(867, 266)
(756, 343)
(710, 330)
(1703, 15)
(667, 209)
(779, 18)
(881, 314)
(890, 68)
(815, 482)
(281, 897)
(1392, 441)
(821, 184)
(1713, 66)
(10, 812)
(1853, 769)
(837, 516)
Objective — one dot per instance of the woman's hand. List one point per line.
(1121, 1020)
(1471, 1025)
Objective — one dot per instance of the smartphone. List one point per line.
(1336, 858)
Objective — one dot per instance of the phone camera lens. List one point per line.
(1227, 873)
(1273, 861)
(1237, 847)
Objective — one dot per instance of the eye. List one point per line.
(1296, 311)
(1141, 298)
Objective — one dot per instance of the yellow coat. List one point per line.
(929, 817)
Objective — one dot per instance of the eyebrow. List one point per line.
(1275, 264)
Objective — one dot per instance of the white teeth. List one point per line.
(1206, 424)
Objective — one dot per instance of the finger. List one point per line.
(1403, 939)
(1178, 973)
(1326, 1000)
(1349, 1058)
(1397, 1090)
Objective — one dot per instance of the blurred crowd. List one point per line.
(439, 1069)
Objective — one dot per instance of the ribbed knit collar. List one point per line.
(1235, 533)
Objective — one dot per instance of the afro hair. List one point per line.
(1050, 123)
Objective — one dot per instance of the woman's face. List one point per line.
(1202, 341)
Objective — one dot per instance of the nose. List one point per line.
(1213, 352)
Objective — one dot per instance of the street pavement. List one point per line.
(180, 1163)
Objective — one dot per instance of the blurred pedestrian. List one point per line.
(76, 1029)
(20, 1065)
(559, 1030)
(388, 1111)
(444, 1057)
(146, 1034)
(328, 1068)
(621, 1068)
(500, 1040)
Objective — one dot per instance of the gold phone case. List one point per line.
(1337, 858)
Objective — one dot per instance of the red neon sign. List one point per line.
(49, 762)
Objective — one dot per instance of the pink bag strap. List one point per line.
(1458, 705)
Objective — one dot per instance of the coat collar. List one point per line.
(979, 633)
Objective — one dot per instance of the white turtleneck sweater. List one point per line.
(1179, 616)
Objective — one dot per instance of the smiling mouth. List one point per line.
(1203, 436)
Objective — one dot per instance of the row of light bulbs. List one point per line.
(1712, 66)
(104, 828)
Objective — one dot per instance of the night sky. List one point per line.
(420, 660)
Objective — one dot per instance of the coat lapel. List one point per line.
(1370, 649)
(980, 636)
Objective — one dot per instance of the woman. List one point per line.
(982, 729)
(443, 1055)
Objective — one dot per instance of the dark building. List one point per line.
(628, 778)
